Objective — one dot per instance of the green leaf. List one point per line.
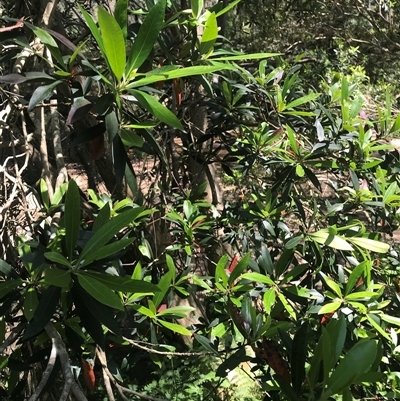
(44, 312)
(30, 304)
(49, 42)
(357, 361)
(356, 273)
(113, 41)
(89, 307)
(210, 34)
(242, 57)
(206, 343)
(269, 300)
(7, 270)
(220, 273)
(164, 285)
(150, 104)
(302, 100)
(243, 264)
(44, 193)
(57, 277)
(102, 218)
(146, 37)
(180, 311)
(172, 72)
(7, 286)
(330, 307)
(121, 15)
(100, 292)
(370, 244)
(257, 277)
(177, 328)
(41, 93)
(197, 8)
(72, 217)
(298, 357)
(332, 284)
(390, 319)
(378, 328)
(125, 284)
(145, 311)
(334, 241)
(57, 258)
(106, 233)
(93, 29)
(292, 139)
(287, 306)
(112, 125)
(228, 7)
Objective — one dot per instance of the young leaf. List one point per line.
(113, 41)
(210, 34)
(146, 37)
(72, 217)
(370, 244)
(41, 93)
(257, 277)
(150, 104)
(100, 292)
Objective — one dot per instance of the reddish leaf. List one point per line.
(88, 375)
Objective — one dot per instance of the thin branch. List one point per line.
(121, 389)
(70, 383)
(137, 344)
(46, 374)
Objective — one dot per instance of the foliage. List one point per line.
(130, 285)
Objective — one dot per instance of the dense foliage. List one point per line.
(234, 234)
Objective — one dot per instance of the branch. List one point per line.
(171, 353)
(46, 374)
(121, 389)
(70, 383)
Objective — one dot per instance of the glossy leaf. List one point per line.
(41, 93)
(30, 303)
(44, 312)
(330, 307)
(106, 233)
(164, 285)
(72, 217)
(370, 244)
(243, 264)
(177, 328)
(125, 284)
(357, 361)
(57, 258)
(257, 277)
(150, 104)
(79, 109)
(146, 37)
(93, 29)
(298, 357)
(100, 292)
(7, 270)
(7, 286)
(57, 277)
(113, 41)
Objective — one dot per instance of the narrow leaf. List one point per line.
(41, 93)
(146, 37)
(100, 292)
(72, 217)
(113, 41)
(150, 104)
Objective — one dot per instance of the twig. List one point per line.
(121, 389)
(46, 373)
(171, 353)
(70, 383)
